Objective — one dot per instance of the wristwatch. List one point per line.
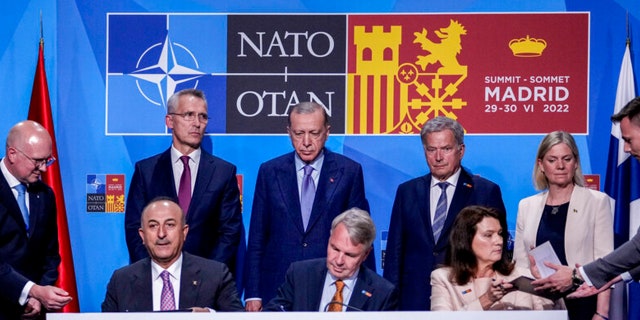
(575, 280)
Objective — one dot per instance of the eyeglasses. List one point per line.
(48, 161)
(190, 116)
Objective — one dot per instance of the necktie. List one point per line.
(184, 191)
(22, 203)
(167, 300)
(307, 195)
(441, 211)
(337, 298)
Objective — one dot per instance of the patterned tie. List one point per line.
(307, 195)
(184, 191)
(441, 211)
(337, 298)
(167, 301)
(22, 203)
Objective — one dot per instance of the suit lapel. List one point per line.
(287, 181)
(316, 285)
(9, 202)
(189, 283)
(163, 173)
(423, 199)
(142, 295)
(206, 169)
(329, 180)
(362, 291)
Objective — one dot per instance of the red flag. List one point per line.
(40, 111)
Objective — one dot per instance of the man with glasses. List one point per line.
(29, 255)
(425, 208)
(203, 185)
(297, 196)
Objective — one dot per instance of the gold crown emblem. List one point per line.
(527, 47)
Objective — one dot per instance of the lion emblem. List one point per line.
(445, 51)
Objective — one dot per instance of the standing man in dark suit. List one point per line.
(624, 262)
(338, 282)
(423, 214)
(285, 228)
(206, 188)
(170, 279)
(29, 255)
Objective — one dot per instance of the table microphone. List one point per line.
(342, 304)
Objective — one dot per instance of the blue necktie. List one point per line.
(22, 203)
(307, 195)
(441, 211)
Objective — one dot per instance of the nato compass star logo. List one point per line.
(168, 69)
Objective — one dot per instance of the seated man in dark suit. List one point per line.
(179, 280)
(340, 282)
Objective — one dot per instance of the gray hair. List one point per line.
(306, 108)
(550, 140)
(172, 103)
(359, 226)
(442, 123)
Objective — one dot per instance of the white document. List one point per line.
(544, 253)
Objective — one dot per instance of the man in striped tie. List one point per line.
(425, 208)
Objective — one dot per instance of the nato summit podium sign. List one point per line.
(498, 73)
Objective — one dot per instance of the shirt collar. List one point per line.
(453, 180)
(316, 163)
(11, 180)
(175, 154)
(173, 269)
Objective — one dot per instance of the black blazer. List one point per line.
(214, 217)
(34, 257)
(303, 286)
(203, 283)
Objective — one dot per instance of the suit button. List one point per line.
(305, 245)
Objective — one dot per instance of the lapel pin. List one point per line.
(331, 180)
(468, 185)
(367, 293)
(466, 291)
(195, 282)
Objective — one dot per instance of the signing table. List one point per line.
(403, 315)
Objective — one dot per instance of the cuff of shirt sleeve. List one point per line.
(626, 277)
(253, 299)
(585, 277)
(25, 293)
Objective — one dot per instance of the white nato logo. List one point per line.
(168, 72)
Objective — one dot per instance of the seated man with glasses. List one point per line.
(29, 255)
(204, 185)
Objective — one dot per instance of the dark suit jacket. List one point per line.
(624, 258)
(302, 289)
(411, 252)
(276, 234)
(34, 257)
(214, 217)
(203, 283)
